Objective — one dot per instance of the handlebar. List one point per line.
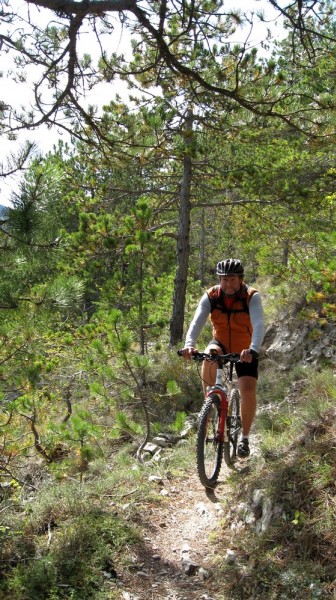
(223, 358)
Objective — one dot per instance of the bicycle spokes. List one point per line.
(233, 427)
(209, 444)
(212, 427)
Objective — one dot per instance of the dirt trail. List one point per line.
(177, 541)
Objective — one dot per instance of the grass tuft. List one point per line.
(294, 557)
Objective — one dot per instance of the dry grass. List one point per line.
(295, 557)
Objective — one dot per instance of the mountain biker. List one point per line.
(236, 315)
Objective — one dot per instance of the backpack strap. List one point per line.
(216, 298)
(245, 297)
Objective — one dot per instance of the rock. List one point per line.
(266, 514)
(142, 574)
(161, 442)
(157, 456)
(189, 426)
(246, 513)
(107, 575)
(201, 509)
(263, 510)
(203, 573)
(250, 518)
(277, 510)
(151, 448)
(182, 442)
(189, 567)
(155, 479)
(173, 438)
(230, 557)
(151, 452)
(289, 344)
(243, 509)
(257, 497)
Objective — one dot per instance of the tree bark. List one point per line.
(285, 253)
(202, 247)
(183, 240)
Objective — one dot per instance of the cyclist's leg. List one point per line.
(247, 387)
(209, 368)
(247, 382)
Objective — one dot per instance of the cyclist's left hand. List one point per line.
(246, 356)
(187, 352)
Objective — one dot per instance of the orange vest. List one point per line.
(231, 326)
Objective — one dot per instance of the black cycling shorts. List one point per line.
(242, 369)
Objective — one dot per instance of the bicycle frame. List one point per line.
(222, 390)
(219, 419)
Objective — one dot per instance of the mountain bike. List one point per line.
(219, 422)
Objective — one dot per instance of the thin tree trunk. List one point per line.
(141, 319)
(183, 246)
(202, 249)
(285, 253)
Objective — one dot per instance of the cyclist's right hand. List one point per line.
(187, 352)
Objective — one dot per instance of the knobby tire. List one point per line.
(209, 449)
(233, 427)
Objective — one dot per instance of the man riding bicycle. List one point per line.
(237, 319)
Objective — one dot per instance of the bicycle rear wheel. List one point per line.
(233, 427)
(209, 449)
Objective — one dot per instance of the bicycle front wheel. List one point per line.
(233, 427)
(209, 446)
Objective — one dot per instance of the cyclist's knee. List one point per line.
(213, 346)
(208, 373)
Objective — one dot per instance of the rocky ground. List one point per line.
(176, 566)
(177, 562)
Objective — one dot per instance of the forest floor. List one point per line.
(176, 561)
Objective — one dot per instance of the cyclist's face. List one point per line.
(230, 284)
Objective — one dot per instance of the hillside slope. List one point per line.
(262, 533)
(125, 531)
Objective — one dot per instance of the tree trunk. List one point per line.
(183, 247)
(202, 248)
(285, 253)
(141, 317)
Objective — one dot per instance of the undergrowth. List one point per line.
(72, 538)
(75, 540)
(294, 557)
